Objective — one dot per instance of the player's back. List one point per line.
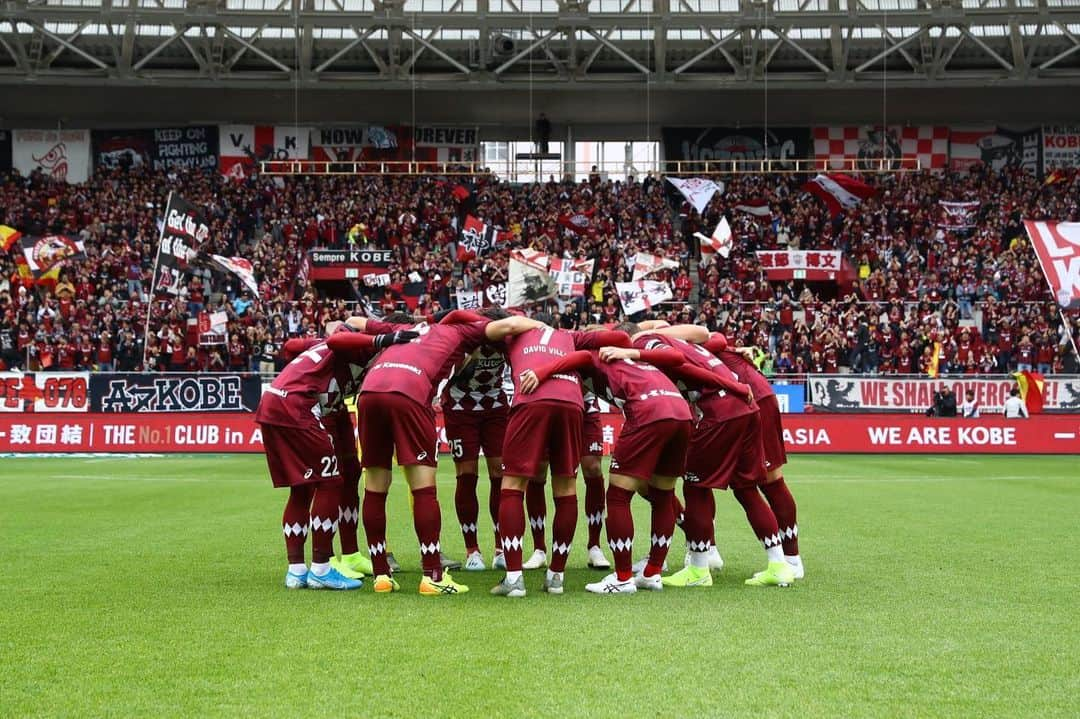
(644, 393)
(716, 403)
(309, 386)
(747, 372)
(415, 369)
(484, 389)
(535, 348)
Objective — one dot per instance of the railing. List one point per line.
(510, 169)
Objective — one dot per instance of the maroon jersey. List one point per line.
(747, 373)
(643, 392)
(418, 368)
(713, 403)
(538, 347)
(315, 384)
(484, 390)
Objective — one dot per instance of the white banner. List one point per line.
(646, 264)
(529, 280)
(1061, 146)
(697, 190)
(847, 393)
(62, 155)
(470, 299)
(242, 146)
(571, 277)
(642, 295)
(720, 242)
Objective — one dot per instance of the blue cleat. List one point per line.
(332, 580)
(296, 581)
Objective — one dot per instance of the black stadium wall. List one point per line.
(608, 113)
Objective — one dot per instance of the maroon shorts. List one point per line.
(772, 433)
(593, 436)
(341, 427)
(469, 432)
(653, 449)
(300, 455)
(390, 421)
(543, 432)
(726, 454)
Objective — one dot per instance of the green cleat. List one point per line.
(355, 566)
(778, 574)
(689, 576)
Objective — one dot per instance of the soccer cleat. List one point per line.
(652, 583)
(445, 586)
(350, 567)
(510, 589)
(611, 584)
(392, 563)
(296, 581)
(448, 563)
(796, 565)
(689, 576)
(554, 583)
(597, 560)
(384, 584)
(716, 562)
(537, 560)
(639, 565)
(778, 574)
(499, 562)
(332, 580)
(475, 562)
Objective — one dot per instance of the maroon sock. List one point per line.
(468, 510)
(698, 525)
(563, 525)
(678, 509)
(594, 507)
(761, 518)
(294, 522)
(620, 530)
(350, 515)
(536, 505)
(512, 527)
(494, 492)
(427, 520)
(662, 527)
(374, 516)
(325, 507)
(783, 506)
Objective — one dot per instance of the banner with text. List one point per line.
(160, 149)
(136, 392)
(348, 264)
(44, 392)
(728, 144)
(814, 265)
(62, 155)
(244, 146)
(1061, 147)
(996, 148)
(845, 393)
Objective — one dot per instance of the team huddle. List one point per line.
(694, 409)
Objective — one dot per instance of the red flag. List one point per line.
(1032, 390)
(8, 237)
(1057, 245)
(580, 223)
(839, 192)
(756, 207)
(477, 237)
(460, 193)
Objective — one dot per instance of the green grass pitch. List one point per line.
(936, 586)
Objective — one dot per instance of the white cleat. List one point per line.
(597, 560)
(611, 585)
(536, 561)
(650, 583)
(553, 583)
(639, 565)
(796, 565)
(499, 562)
(475, 562)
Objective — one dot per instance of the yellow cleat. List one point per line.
(445, 586)
(384, 584)
(778, 574)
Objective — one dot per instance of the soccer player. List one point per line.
(301, 452)
(725, 451)
(544, 430)
(650, 451)
(774, 487)
(593, 474)
(396, 408)
(474, 408)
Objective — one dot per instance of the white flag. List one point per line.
(470, 300)
(646, 264)
(529, 279)
(719, 242)
(241, 268)
(697, 190)
(642, 295)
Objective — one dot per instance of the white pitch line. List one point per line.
(795, 480)
(85, 478)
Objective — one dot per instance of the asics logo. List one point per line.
(308, 473)
(447, 589)
(421, 457)
(613, 588)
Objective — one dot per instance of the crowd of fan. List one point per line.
(975, 298)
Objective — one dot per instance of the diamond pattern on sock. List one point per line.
(471, 527)
(294, 530)
(350, 515)
(536, 522)
(661, 541)
(695, 546)
(621, 545)
(558, 548)
(594, 518)
(324, 525)
(790, 532)
(773, 540)
(432, 548)
(512, 543)
(379, 548)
